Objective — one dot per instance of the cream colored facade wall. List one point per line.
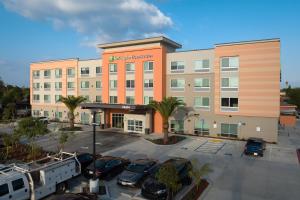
(144, 118)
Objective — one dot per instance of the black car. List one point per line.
(135, 172)
(152, 189)
(72, 196)
(255, 146)
(106, 167)
(85, 160)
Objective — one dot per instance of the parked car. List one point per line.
(152, 189)
(255, 146)
(107, 167)
(72, 196)
(136, 172)
(85, 160)
(45, 120)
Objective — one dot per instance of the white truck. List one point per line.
(38, 179)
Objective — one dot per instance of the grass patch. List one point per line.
(76, 128)
(195, 191)
(172, 140)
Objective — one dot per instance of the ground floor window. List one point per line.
(58, 115)
(135, 125)
(177, 125)
(118, 120)
(229, 130)
(85, 118)
(46, 113)
(201, 127)
(98, 118)
(36, 113)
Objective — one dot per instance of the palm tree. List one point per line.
(165, 108)
(72, 103)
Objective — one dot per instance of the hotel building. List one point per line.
(231, 90)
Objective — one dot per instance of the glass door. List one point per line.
(117, 120)
(135, 126)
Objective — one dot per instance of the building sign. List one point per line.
(115, 58)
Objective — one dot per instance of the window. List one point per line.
(71, 85)
(4, 190)
(36, 97)
(148, 66)
(180, 99)
(130, 67)
(47, 73)
(201, 102)
(201, 127)
(177, 126)
(135, 125)
(71, 72)
(99, 99)
(85, 84)
(147, 99)
(85, 118)
(113, 99)
(36, 86)
(36, 113)
(85, 71)
(177, 66)
(98, 84)
(46, 113)
(47, 98)
(229, 130)
(58, 73)
(148, 83)
(58, 85)
(57, 98)
(129, 100)
(58, 115)
(113, 68)
(36, 74)
(201, 65)
(87, 98)
(177, 83)
(113, 84)
(129, 84)
(98, 70)
(228, 63)
(229, 104)
(200, 83)
(230, 82)
(18, 184)
(47, 86)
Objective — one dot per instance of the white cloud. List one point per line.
(97, 20)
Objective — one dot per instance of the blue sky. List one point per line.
(35, 30)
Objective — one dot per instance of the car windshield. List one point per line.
(100, 163)
(254, 143)
(134, 167)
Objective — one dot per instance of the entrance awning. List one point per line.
(115, 106)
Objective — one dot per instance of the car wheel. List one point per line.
(61, 187)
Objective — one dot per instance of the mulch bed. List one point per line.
(172, 140)
(71, 129)
(195, 192)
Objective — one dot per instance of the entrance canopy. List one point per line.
(103, 106)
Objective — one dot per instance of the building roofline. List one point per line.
(248, 42)
(182, 51)
(57, 60)
(160, 39)
(89, 59)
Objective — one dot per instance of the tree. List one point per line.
(7, 142)
(31, 128)
(9, 111)
(168, 175)
(165, 108)
(72, 103)
(198, 172)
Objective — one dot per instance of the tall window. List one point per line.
(85, 84)
(99, 99)
(46, 113)
(130, 84)
(147, 99)
(113, 67)
(201, 102)
(129, 100)
(177, 84)
(36, 74)
(113, 99)
(36, 97)
(58, 73)
(148, 83)
(98, 84)
(229, 63)
(200, 83)
(180, 99)
(229, 130)
(148, 66)
(229, 104)
(177, 66)
(47, 98)
(177, 126)
(36, 86)
(98, 70)
(85, 71)
(230, 82)
(71, 85)
(47, 73)
(130, 67)
(201, 127)
(85, 118)
(47, 86)
(71, 72)
(58, 85)
(57, 98)
(201, 65)
(113, 84)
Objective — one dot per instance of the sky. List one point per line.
(36, 30)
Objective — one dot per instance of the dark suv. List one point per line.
(255, 146)
(152, 189)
